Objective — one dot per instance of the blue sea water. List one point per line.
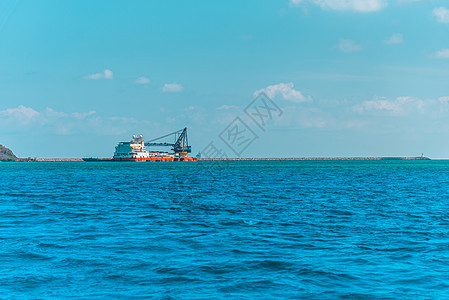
(238, 230)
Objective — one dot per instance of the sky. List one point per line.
(342, 77)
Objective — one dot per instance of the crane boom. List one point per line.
(180, 146)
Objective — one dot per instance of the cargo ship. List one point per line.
(135, 150)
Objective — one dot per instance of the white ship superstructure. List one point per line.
(135, 149)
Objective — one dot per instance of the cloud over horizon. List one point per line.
(396, 38)
(22, 119)
(172, 88)
(441, 54)
(285, 90)
(441, 14)
(347, 5)
(348, 46)
(143, 80)
(405, 106)
(106, 74)
(20, 114)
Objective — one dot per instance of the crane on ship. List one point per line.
(180, 146)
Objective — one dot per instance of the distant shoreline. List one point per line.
(258, 159)
(315, 158)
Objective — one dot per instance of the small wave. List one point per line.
(178, 279)
(31, 256)
(250, 285)
(251, 222)
(92, 236)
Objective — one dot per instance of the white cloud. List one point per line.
(172, 88)
(20, 114)
(80, 116)
(26, 119)
(354, 5)
(348, 46)
(396, 107)
(227, 107)
(347, 5)
(395, 39)
(143, 80)
(442, 14)
(107, 74)
(52, 113)
(444, 53)
(380, 104)
(411, 1)
(285, 90)
(444, 100)
(295, 2)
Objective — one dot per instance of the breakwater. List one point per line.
(314, 158)
(57, 159)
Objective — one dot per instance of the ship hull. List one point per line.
(143, 159)
(155, 159)
(91, 159)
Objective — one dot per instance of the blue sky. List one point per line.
(352, 77)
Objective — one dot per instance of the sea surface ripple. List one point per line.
(208, 230)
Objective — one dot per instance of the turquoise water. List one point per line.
(374, 229)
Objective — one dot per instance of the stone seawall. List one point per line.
(57, 159)
(314, 158)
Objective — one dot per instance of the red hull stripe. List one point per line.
(157, 159)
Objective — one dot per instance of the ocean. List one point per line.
(236, 230)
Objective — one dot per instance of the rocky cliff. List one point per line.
(6, 154)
